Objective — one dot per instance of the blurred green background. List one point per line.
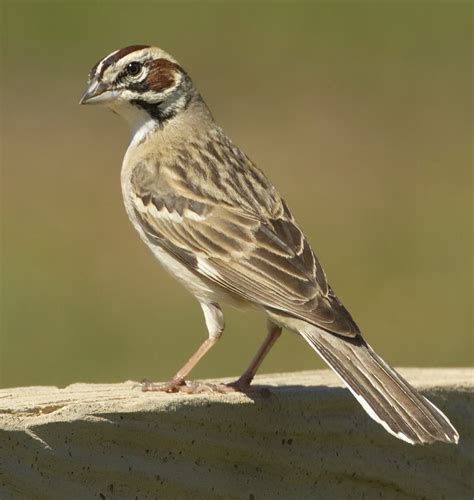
(360, 113)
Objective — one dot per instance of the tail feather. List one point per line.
(388, 398)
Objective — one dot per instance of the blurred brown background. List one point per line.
(359, 112)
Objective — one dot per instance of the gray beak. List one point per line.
(96, 93)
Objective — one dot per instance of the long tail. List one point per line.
(383, 393)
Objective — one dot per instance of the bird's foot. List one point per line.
(174, 385)
(188, 387)
(191, 387)
(184, 386)
(242, 384)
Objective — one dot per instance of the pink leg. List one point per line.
(178, 381)
(244, 381)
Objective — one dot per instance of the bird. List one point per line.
(213, 219)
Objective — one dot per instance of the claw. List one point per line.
(171, 386)
(188, 387)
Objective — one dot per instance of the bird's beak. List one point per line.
(97, 93)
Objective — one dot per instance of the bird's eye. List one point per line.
(134, 68)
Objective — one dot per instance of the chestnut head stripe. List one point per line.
(162, 74)
(99, 68)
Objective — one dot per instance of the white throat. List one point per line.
(141, 131)
(141, 123)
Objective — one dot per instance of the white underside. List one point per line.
(196, 286)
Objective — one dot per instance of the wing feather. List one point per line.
(215, 211)
(266, 262)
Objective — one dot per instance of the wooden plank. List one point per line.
(308, 438)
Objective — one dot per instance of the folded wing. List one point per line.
(264, 260)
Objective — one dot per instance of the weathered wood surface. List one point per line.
(307, 439)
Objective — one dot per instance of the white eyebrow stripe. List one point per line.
(99, 66)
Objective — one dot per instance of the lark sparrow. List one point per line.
(214, 220)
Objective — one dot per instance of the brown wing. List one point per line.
(264, 260)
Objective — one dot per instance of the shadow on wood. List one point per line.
(309, 438)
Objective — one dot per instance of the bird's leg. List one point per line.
(243, 382)
(178, 383)
(215, 325)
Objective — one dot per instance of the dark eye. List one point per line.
(134, 68)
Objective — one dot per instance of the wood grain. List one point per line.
(305, 438)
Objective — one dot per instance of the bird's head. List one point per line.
(140, 83)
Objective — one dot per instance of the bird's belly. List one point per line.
(193, 283)
(200, 288)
